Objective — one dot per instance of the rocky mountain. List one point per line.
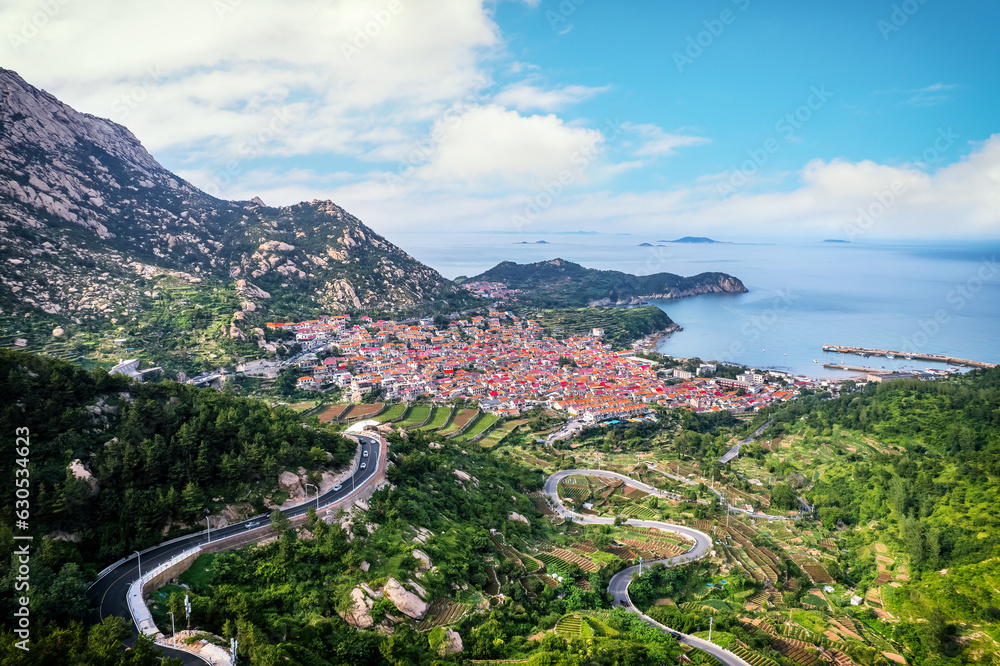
(560, 283)
(92, 225)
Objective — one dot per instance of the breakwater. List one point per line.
(888, 353)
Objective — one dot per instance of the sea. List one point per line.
(916, 297)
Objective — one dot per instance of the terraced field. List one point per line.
(569, 556)
(439, 418)
(418, 414)
(394, 412)
(574, 626)
(484, 422)
(751, 657)
(459, 421)
(332, 413)
(361, 412)
(498, 435)
(442, 612)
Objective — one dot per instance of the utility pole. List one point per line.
(187, 609)
(139, 560)
(711, 621)
(317, 494)
(173, 631)
(208, 520)
(233, 645)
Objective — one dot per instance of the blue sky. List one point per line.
(740, 118)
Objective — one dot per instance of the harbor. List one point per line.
(862, 351)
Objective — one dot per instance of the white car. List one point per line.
(337, 487)
(365, 454)
(252, 524)
(364, 465)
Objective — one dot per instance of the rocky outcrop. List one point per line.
(291, 483)
(423, 558)
(408, 603)
(452, 643)
(359, 615)
(80, 471)
(514, 516)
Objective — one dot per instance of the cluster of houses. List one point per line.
(507, 364)
(491, 290)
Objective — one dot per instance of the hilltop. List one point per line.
(561, 283)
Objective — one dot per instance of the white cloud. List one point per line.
(526, 97)
(334, 63)
(929, 96)
(657, 143)
(962, 199)
(492, 146)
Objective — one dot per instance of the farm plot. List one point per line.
(752, 658)
(442, 612)
(484, 422)
(360, 412)
(394, 412)
(586, 564)
(570, 626)
(461, 418)
(574, 491)
(639, 511)
(332, 413)
(818, 573)
(418, 414)
(500, 433)
(439, 418)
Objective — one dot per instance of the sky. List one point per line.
(737, 119)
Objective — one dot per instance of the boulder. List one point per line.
(291, 483)
(452, 642)
(516, 516)
(423, 558)
(359, 616)
(405, 601)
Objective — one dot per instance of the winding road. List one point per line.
(618, 587)
(111, 588)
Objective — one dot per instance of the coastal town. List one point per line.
(507, 364)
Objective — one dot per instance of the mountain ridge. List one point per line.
(80, 195)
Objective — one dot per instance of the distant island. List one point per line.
(835, 240)
(645, 245)
(541, 242)
(561, 283)
(692, 239)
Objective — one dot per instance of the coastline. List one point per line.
(651, 341)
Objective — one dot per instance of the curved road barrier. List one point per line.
(119, 590)
(618, 587)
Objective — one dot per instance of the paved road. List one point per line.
(111, 589)
(735, 451)
(618, 587)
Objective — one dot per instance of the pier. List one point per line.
(856, 368)
(862, 351)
